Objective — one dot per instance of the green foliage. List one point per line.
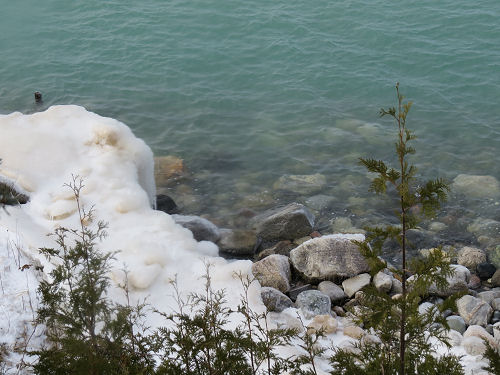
(259, 341)
(197, 340)
(304, 364)
(87, 333)
(493, 357)
(406, 336)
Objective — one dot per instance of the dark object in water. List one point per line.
(38, 96)
(166, 204)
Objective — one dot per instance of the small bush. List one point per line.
(405, 335)
(86, 332)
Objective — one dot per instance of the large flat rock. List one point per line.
(329, 258)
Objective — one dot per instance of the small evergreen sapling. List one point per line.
(406, 336)
(86, 332)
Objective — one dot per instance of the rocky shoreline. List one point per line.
(301, 263)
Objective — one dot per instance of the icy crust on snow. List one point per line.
(40, 153)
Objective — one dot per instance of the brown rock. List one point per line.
(167, 168)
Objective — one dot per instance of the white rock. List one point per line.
(454, 337)
(326, 322)
(382, 282)
(473, 345)
(474, 310)
(470, 257)
(356, 283)
(478, 331)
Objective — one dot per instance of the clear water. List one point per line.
(246, 91)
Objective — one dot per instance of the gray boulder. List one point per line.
(284, 223)
(329, 258)
(313, 302)
(301, 184)
(273, 271)
(470, 257)
(496, 304)
(474, 310)
(484, 227)
(203, 230)
(489, 296)
(356, 283)
(456, 283)
(237, 242)
(332, 290)
(456, 323)
(274, 300)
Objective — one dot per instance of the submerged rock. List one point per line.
(285, 223)
(166, 204)
(237, 242)
(301, 184)
(475, 186)
(167, 168)
(329, 258)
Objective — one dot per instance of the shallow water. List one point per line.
(246, 91)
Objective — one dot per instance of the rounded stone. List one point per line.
(313, 302)
(470, 257)
(329, 257)
(456, 323)
(273, 271)
(354, 331)
(473, 345)
(332, 290)
(326, 322)
(485, 270)
(356, 283)
(274, 300)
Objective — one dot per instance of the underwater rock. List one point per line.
(167, 168)
(475, 186)
(301, 184)
(284, 223)
(166, 204)
(237, 242)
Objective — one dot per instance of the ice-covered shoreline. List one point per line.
(40, 154)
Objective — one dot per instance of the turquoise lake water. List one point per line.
(246, 91)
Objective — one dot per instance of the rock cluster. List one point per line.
(324, 275)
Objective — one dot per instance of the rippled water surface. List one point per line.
(246, 91)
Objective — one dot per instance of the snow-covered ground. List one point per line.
(40, 153)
